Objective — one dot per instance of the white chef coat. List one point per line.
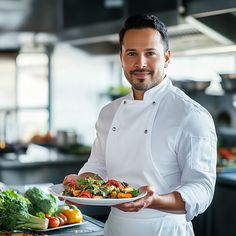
(166, 140)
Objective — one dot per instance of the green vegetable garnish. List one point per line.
(135, 192)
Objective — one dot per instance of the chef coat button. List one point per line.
(125, 102)
(114, 128)
(153, 103)
(145, 131)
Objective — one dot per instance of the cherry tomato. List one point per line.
(86, 194)
(63, 217)
(48, 216)
(116, 183)
(53, 222)
(62, 222)
(73, 216)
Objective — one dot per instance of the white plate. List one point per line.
(59, 188)
(60, 227)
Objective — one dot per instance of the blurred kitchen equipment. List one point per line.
(66, 138)
(115, 92)
(228, 82)
(43, 139)
(9, 142)
(191, 85)
(19, 148)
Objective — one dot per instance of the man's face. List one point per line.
(143, 58)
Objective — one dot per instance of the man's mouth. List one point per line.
(140, 73)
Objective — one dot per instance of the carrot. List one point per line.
(124, 195)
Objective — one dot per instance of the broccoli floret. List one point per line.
(14, 213)
(41, 201)
(40, 214)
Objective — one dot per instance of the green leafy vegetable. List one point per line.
(40, 214)
(14, 213)
(41, 201)
(135, 192)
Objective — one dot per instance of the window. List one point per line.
(24, 96)
(32, 94)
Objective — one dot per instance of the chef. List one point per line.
(156, 138)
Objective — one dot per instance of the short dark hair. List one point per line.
(144, 21)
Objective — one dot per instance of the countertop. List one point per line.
(38, 156)
(92, 227)
(227, 178)
(39, 165)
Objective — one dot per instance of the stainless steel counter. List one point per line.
(91, 228)
(38, 155)
(38, 165)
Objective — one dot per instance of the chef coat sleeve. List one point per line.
(96, 162)
(196, 152)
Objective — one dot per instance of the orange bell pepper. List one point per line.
(73, 216)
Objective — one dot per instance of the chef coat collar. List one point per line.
(156, 92)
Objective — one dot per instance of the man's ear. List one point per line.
(121, 62)
(167, 58)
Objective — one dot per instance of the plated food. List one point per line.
(90, 191)
(99, 189)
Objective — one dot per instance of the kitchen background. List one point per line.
(59, 65)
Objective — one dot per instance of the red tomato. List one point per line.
(62, 222)
(53, 222)
(116, 183)
(86, 194)
(63, 217)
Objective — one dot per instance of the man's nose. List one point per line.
(141, 62)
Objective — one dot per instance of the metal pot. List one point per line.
(228, 82)
(66, 138)
(192, 85)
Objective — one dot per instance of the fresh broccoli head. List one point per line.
(41, 201)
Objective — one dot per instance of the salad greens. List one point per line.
(92, 188)
(14, 213)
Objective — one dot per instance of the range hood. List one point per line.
(194, 27)
(23, 21)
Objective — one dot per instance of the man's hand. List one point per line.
(141, 203)
(170, 202)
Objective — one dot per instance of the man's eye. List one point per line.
(131, 54)
(151, 53)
